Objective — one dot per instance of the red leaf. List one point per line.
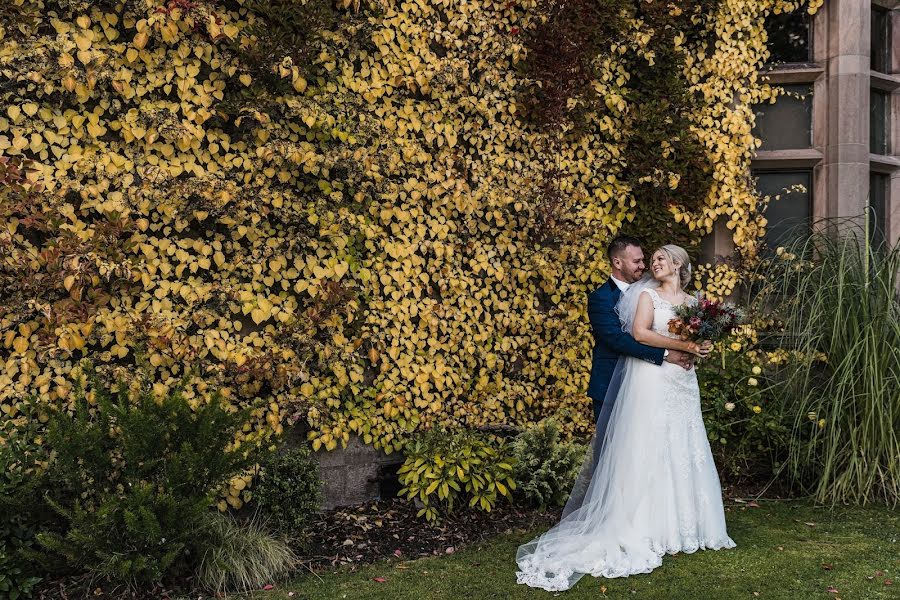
(398, 552)
(832, 590)
(888, 582)
(379, 579)
(268, 587)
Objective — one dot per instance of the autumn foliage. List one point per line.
(332, 207)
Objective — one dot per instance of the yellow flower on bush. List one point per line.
(757, 409)
(752, 382)
(757, 370)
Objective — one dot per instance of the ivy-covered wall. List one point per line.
(367, 216)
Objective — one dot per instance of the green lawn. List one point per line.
(789, 550)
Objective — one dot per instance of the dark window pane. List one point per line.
(789, 37)
(878, 122)
(877, 202)
(788, 216)
(881, 40)
(787, 124)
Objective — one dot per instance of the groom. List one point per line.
(610, 342)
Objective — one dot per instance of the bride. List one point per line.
(649, 487)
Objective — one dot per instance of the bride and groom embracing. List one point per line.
(649, 486)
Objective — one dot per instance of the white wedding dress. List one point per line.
(654, 489)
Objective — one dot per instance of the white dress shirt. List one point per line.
(620, 284)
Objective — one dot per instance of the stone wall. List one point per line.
(356, 474)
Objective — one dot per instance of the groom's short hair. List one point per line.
(619, 243)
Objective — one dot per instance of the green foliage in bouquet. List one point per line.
(444, 467)
(288, 490)
(133, 478)
(546, 466)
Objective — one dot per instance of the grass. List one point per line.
(785, 549)
(843, 306)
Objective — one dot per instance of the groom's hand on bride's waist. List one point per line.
(682, 359)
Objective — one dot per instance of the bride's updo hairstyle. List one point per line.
(677, 254)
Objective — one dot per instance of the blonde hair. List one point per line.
(680, 255)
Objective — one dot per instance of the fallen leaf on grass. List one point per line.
(888, 582)
(602, 589)
(379, 579)
(810, 524)
(879, 573)
(268, 587)
(753, 504)
(398, 552)
(450, 550)
(827, 567)
(832, 590)
(756, 593)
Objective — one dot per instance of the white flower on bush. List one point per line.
(729, 406)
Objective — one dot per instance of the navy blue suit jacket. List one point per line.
(610, 342)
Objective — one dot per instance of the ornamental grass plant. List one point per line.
(834, 299)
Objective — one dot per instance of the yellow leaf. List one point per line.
(20, 345)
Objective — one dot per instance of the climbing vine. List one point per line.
(358, 217)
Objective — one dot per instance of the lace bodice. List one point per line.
(664, 311)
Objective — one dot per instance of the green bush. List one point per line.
(133, 480)
(546, 467)
(444, 467)
(242, 557)
(19, 457)
(746, 424)
(288, 490)
(834, 297)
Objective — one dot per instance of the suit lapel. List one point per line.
(616, 292)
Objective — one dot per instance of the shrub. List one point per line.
(546, 467)
(133, 480)
(445, 467)
(19, 456)
(242, 557)
(841, 313)
(288, 490)
(746, 425)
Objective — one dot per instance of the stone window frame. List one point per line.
(889, 164)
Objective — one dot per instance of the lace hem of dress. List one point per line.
(561, 580)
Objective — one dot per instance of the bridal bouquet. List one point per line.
(706, 320)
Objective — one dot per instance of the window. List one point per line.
(878, 183)
(789, 37)
(881, 40)
(787, 124)
(878, 122)
(788, 216)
